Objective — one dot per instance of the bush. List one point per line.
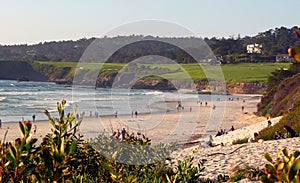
(240, 141)
(283, 169)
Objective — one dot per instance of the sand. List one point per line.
(180, 126)
(186, 126)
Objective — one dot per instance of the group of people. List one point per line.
(290, 133)
(123, 135)
(223, 131)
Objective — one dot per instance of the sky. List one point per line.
(35, 21)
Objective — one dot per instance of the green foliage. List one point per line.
(232, 72)
(58, 149)
(283, 169)
(240, 141)
(17, 159)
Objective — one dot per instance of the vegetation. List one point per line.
(283, 169)
(228, 50)
(240, 141)
(291, 119)
(244, 171)
(232, 72)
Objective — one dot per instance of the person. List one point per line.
(0, 123)
(33, 117)
(290, 131)
(269, 121)
(190, 109)
(243, 108)
(277, 135)
(136, 114)
(206, 104)
(232, 128)
(213, 106)
(253, 138)
(34, 129)
(116, 114)
(219, 133)
(118, 134)
(123, 132)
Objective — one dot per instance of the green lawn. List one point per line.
(233, 72)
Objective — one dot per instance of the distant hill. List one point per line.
(228, 50)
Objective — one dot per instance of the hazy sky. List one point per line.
(34, 21)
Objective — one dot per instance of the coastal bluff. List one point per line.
(27, 71)
(20, 71)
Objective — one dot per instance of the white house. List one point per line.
(254, 48)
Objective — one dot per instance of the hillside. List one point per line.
(282, 92)
(228, 50)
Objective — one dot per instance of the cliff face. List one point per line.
(236, 88)
(19, 71)
(286, 94)
(246, 88)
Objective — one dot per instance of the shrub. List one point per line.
(240, 141)
(283, 169)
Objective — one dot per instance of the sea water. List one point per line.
(23, 99)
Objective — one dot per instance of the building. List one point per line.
(284, 58)
(254, 48)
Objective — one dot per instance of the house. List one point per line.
(284, 58)
(254, 48)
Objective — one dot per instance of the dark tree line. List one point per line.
(229, 50)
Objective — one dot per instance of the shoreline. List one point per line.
(180, 126)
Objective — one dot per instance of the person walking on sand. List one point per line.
(136, 114)
(123, 132)
(34, 129)
(33, 117)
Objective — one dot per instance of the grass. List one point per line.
(232, 72)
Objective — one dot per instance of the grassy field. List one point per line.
(232, 72)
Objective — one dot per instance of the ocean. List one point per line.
(23, 99)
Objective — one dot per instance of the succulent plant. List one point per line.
(283, 169)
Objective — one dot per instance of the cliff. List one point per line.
(283, 97)
(20, 71)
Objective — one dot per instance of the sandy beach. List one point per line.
(189, 125)
(182, 126)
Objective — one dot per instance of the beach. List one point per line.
(189, 125)
(185, 125)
